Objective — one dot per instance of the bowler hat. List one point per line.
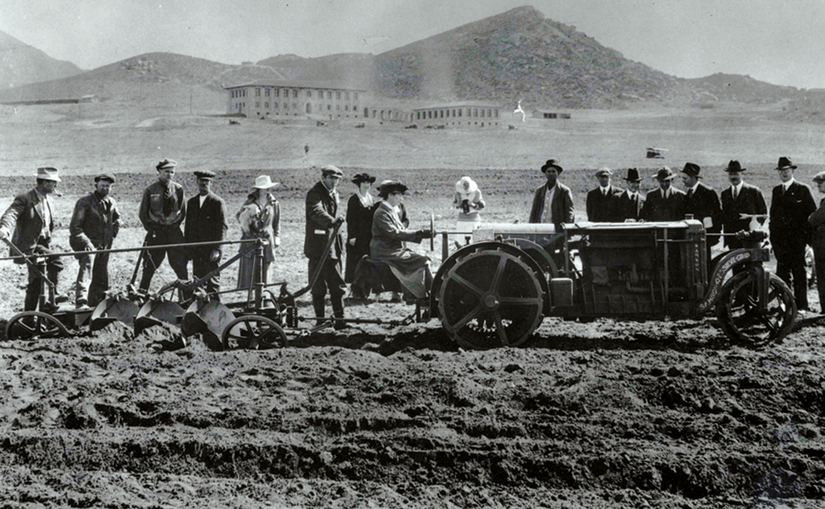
(819, 177)
(664, 173)
(105, 176)
(692, 170)
(734, 167)
(466, 185)
(331, 169)
(551, 163)
(47, 173)
(264, 182)
(359, 178)
(388, 187)
(785, 163)
(166, 163)
(633, 175)
(605, 171)
(204, 174)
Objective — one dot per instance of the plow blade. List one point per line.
(155, 312)
(202, 316)
(114, 309)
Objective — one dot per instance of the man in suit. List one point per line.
(31, 217)
(792, 203)
(322, 215)
(666, 203)
(94, 225)
(703, 202)
(740, 198)
(631, 201)
(602, 202)
(553, 201)
(817, 222)
(205, 222)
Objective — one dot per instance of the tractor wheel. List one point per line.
(35, 325)
(490, 298)
(739, 315)
(253, 332)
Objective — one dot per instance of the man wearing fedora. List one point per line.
(205, 222)
(602, 202)
(666, 203)
(740, 198)
(703, 202)
(162, 211)
(322, 216)
(553, 201)
(94, 225)
(31, 216)
(631, 201)
(791, 204)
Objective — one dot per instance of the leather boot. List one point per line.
(340, 325)
(318, 304)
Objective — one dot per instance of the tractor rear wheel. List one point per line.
(739, 315)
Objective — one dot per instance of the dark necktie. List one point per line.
(690, 193)
(168, 201)
(735, 193)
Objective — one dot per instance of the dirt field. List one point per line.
(605, 414)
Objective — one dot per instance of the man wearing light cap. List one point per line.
(666, 203)
(817, 221)
(31, 216)
(205, 222)
(94, 225)
(602, 202)
(322, 215)
(162, 211)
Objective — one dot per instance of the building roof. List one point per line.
(485, 104)
(296, 84)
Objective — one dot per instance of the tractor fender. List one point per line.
(726, 264)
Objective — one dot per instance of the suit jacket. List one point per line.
(629, 209)
(601, 208)
(789, 226)
(389, 235)
(25, 215)
(95, 223)
(205, 223)
(657, 208)
(562, 205)
(321, 211)
(704, 203)
(817, 221)
(749, 201)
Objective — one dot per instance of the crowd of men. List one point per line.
(793, 223)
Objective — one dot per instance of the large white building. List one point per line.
(278, 98)
(465, 113)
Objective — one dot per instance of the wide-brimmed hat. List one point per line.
(734, 167)
(166, 163)
(204, 174)
(388, 187)
(664, 173)
(819, 177)
(47, 173)
(605, 171)
(359, 178)
(551, 163)
(785, 163)
(264, 182)
(633, 175)
(692, 170)
(466, 185)
(331, 169)
(105, 176)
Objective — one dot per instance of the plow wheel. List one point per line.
(739, 315)
(253, 332)
(490, 298)
(35, 325)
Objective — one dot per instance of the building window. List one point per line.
(257, 92)
(347, 95)
(329, 94)
(475, 112)
(459, 112)
(489, 113)
(482, 112)
(295, 93)
(329, 107)
(337, 95)
(355, 94)
(277, 92)
(338, 107)
(266, 92)
(266, 105)
(294, 106)
(496, 113)
(257, 104)
(346, 107)
(309, 93)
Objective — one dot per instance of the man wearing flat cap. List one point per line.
(791, 204)
(602, 202)
(31, 217)
(817, 221)
(205, 222)
(666, 203)
(322, 216)
(94, 225)
(703, 202)
(553, 201)
(740, 198)
(162, 210)
(631, 201)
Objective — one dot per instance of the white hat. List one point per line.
(264, 182)
(47, 173)
(466, 185)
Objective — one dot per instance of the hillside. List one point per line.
(738, 88)
(21, 64)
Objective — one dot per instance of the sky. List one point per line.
(778, 41)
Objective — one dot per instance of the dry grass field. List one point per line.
(606, 414)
